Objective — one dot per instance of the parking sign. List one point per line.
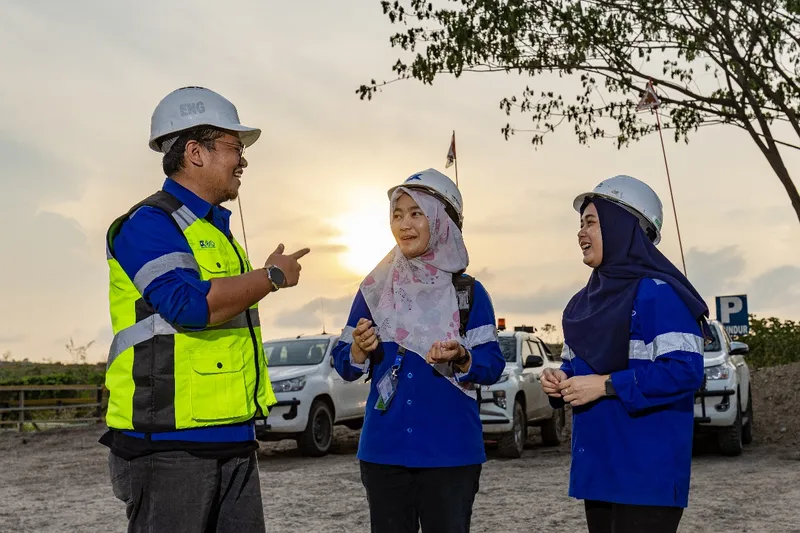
(732, 313)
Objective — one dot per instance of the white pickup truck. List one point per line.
(311, 395)
(724, 403)
(517, 400)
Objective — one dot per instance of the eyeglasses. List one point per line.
(238, 147)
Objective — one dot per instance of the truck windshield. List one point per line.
(714, 346)
(296, 352)
(508, 345)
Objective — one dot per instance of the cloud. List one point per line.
(328, 248)
(310, 315)
(496, 228)
(323, 160)
(483, 275)
(545, 300)
(777, 289)
(63, 272)
(772, 215)
(715, 272)
(11, 339)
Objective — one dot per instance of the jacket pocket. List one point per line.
(213, 264)
(218, 385)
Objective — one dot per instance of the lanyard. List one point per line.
(398, 361)
(387, 385)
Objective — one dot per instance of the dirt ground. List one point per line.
(57, 481)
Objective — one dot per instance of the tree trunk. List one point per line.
(776, 162)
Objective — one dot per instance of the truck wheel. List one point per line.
(747, 428)
(511, 444)
(553, 429)
(730, 438)
(316, 440)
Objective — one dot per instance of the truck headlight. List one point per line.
(289, 385)
(717, 372)
(503, 378)
(499, 397)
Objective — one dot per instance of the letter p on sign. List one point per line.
(732, 313)
(731, 305)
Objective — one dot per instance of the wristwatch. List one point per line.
(276, 277)
(610, 387)
(463, 359)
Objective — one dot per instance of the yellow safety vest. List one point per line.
(162, 377)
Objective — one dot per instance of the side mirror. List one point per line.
(533, 361)
(739, 348)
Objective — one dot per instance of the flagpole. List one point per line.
(672, 197)
(455, 153)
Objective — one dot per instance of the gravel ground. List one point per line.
(57, 481)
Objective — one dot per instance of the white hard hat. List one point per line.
(633, 195)
(435, 183)
(188, 107)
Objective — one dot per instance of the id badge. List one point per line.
(387, 386)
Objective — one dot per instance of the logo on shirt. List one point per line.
(207, 244)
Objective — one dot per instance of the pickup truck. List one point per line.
(311, 395)
(516, 402)
(724, 403)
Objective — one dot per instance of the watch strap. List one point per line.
(610, 391)
(275, 286)
(463, 359)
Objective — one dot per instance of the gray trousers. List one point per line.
(176, 492)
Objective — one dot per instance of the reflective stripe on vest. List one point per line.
(162, 377)
(156, 325)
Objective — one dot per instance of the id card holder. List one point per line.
(387, 386)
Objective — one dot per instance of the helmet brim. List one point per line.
(578, 203)
(427, 189)
(246, 134)
(436, 194)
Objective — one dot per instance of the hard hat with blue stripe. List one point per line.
(437, 184)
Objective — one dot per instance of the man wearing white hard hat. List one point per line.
(186, 371)
(633, 357)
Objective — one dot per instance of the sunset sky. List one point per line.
(80, 80)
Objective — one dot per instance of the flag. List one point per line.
(451, 153)
(649, 98)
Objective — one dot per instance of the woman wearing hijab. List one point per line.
(421, 448)
(633, 357)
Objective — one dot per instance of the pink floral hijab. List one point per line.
(413, 301)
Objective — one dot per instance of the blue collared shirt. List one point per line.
(429, 422)
(636, 448)
(178, 295)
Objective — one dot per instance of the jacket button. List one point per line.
(219, 365)
(219, 266)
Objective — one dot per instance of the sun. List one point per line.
(366, 237)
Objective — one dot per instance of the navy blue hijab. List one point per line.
(597, 319)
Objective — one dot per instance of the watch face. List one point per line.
(277, 276)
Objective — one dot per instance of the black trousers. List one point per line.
(403, 499)
(605, 517)
(180, 493)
